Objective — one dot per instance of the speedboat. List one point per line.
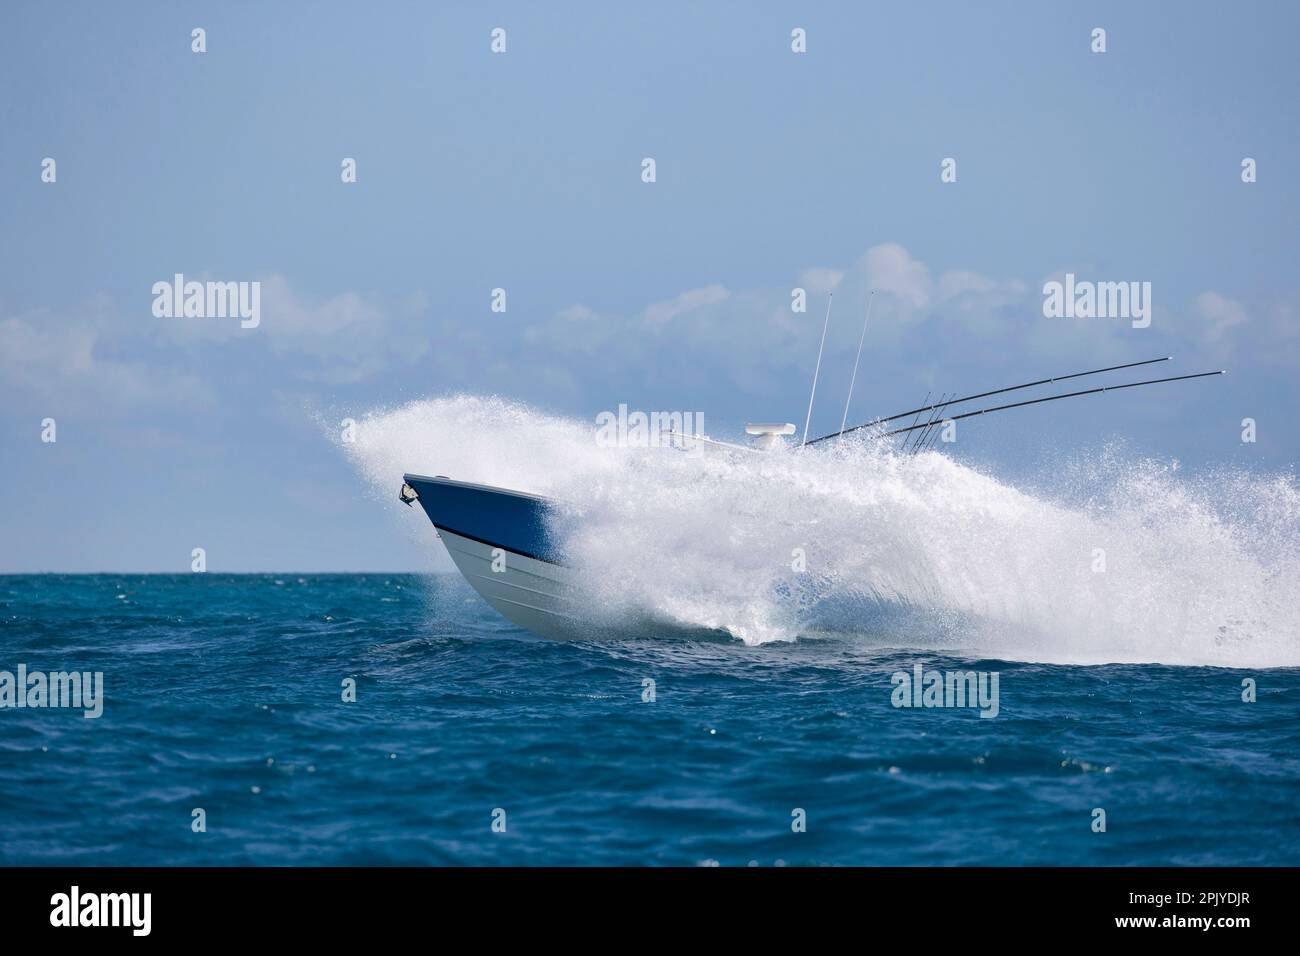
(509, 544)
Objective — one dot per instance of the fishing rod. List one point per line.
(924, 432)
(1049, 398)
(938, 433)
(996, 391)
(930, 434)
(917, 417)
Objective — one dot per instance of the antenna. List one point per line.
(817, 371)
(843, 421)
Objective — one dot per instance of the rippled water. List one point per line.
(224, 693)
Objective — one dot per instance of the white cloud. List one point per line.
(818, 280)
(576, 313)
(349, 336)
(120, 359)
(341, 339)
(959, 282)
(662, 312)
(1217, 316)
(890, 269)
(751, 335)
(68, 364)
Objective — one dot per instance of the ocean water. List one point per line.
(224, 692)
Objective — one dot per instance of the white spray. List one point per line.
(1124, 561)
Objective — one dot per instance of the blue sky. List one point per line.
(522, 171)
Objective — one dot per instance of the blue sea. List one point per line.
(225, 694)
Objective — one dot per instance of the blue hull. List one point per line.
(496, 517)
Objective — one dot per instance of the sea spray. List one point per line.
(1120, 561)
